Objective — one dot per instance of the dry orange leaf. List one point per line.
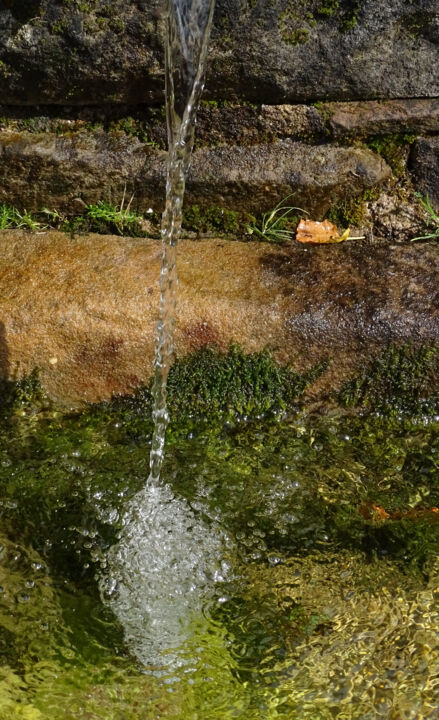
(319, 233)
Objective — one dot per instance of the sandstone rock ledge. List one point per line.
(84, 310)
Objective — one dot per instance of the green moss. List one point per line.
(135, 128)
(350, 19)
(25, 393)
(420, 24)
(296, 37)
(295, 23)
(59, 26)
(216, 386)
(402, 379)
(393, 148)
(213, 219)
(351, 211)
(327, 7)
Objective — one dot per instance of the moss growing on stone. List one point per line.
(402, 379)
(393, 148)
(421, 24)
(349, 19)
(213, 386)
(213, 219)
(222, 384)
(295, 23)
(5, 70)
(23, 393)
(352, 210)
(327, 7)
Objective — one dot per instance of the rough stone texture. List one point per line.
(359, 119)
(396, 215)
(238, 124)
(84, 310)
(424, 164)
(293, 121)
(101, 51)
(39, 170)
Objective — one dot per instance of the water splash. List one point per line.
(161, 574)
(188, 31)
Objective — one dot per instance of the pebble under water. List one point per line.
(285, 568)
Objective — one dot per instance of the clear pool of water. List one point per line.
(283, 569)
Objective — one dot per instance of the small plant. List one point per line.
(433, 220)
(6, 217)
(105, 216)
(11, 218)
(274, 224)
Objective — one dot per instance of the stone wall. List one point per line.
(265, 51)
(323, 98)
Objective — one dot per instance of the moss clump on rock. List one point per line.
(213, 219)
(352, 210)
(402, 379)
(211, 386)
(394, 148)
(22, 393)
(212, 383)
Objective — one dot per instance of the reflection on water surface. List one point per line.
(285, 569)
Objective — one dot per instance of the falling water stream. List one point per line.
(166, 562)
(187, 37)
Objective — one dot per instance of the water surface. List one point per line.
(293, 572)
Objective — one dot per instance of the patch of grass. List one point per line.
(108, 217)
(402, 379)
(276, 226)
(13, 219)
(432, 221)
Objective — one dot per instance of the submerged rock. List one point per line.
(84, 310)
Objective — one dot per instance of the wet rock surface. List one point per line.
(360, 119)
(40, 170)
(84, 310)
(424, 164)
(269, 52)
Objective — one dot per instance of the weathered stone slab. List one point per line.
(424, 163)
(237, 123)
(360, 119)
(84, 310)
(111, 51)
(39, 170)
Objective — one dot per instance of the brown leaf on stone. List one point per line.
(319, 233)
